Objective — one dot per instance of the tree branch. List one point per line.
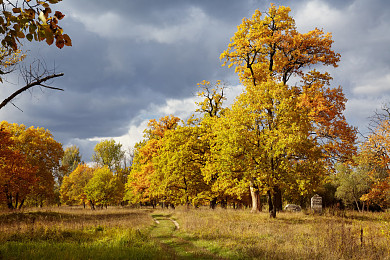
(37, 82)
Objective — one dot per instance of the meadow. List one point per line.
(125, 233)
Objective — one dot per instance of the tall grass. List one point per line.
(244, 235)
(123, 233)
(75, 233)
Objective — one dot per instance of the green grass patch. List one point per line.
(87, 244)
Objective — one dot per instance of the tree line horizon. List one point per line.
(278, 142)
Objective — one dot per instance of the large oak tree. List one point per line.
(267, 52)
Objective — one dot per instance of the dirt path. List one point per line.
(166, 232)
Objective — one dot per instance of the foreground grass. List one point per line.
(166, 232)
(244, 235)
(66, 233)
(122, 233)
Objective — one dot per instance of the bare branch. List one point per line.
(37, 82)
(51, 87)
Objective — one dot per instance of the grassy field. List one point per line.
(123, 233)
(75, 233)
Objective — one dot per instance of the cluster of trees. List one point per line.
(28, 159)
(279, 140)
(366, 181)
(276, 139)
(99, 186)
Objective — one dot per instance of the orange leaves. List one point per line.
(72, 188)
(40, 155)
(16, 174)
(143, 169)
(376, 153)
(157, 129)
(32, 23)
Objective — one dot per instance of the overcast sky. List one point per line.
(136, 60)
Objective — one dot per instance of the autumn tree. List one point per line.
(211, 109)
(104, 188)
(267, 51)
(16, 173)
(352, 183)
(178, 178)
(42, 152)
(69, 162)
(376, 154)
(108, 153)
(138, 184)
(72, 187)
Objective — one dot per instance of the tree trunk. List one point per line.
(9, 201)
(278, 198)
(213, 203)
(16, 200)
(92, 205)
(357, 205)
(271, 204)
(21, 204)
(269, 198)
(274, 209)
(255, 195)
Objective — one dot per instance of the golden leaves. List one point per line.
(271, 46)
(213, 98)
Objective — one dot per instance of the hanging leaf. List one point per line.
(68, 41)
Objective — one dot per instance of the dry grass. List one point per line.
(70, 218)
(77, 233)
(120, 233)
(242, 235)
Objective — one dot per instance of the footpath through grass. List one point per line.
(167, 232)
(123, 233)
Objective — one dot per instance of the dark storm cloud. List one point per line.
(129, 57)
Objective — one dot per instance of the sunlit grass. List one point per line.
(124, 233)
(242, 234)
(76, 233)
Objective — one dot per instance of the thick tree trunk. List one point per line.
(274, 203)
(278, 199)
(255, 195)
(271, 204)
